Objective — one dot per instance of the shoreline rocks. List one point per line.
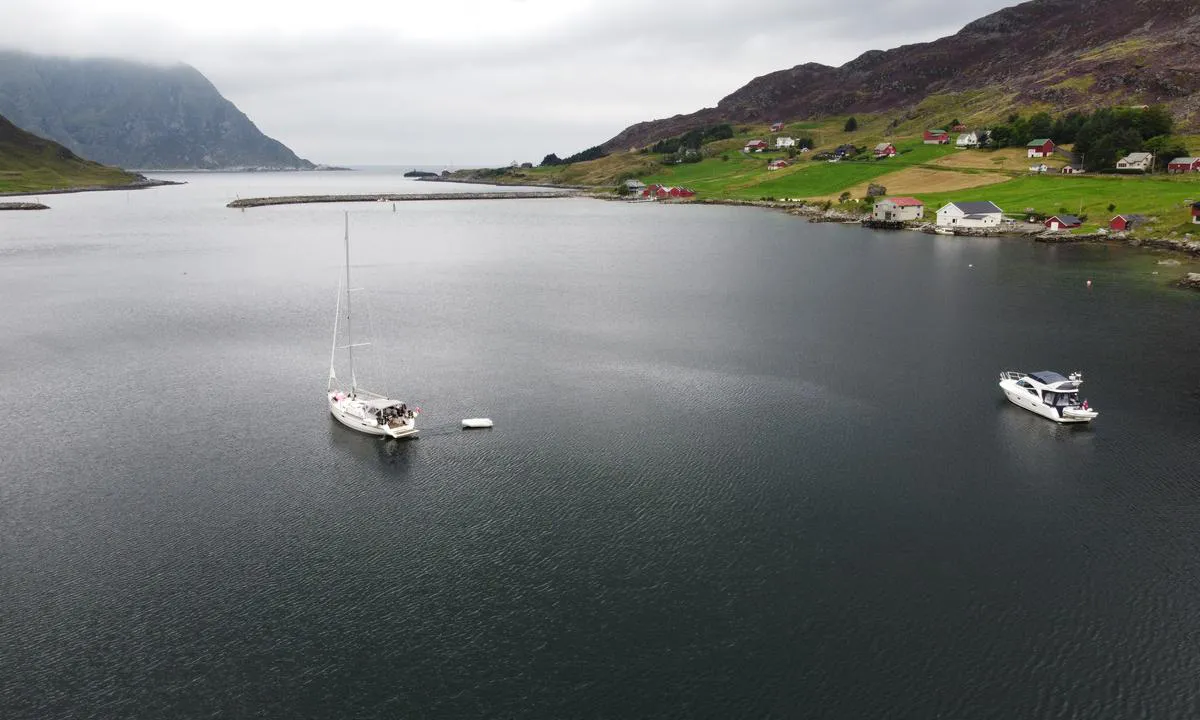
(23, 206)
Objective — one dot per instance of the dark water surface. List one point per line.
(743, 466)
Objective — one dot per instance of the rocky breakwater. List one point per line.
(1191, 281)
(23, 206)
(814, 213)
(384, 197)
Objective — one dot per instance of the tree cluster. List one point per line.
(693, 139)
(592, 153)
(1100, 138)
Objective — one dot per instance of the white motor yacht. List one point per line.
(1048, 394)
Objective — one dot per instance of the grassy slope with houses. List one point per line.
(933, 174)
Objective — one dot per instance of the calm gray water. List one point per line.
(743, 466)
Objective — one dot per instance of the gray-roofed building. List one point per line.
(983, 214)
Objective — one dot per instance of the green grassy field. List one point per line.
(745, 176)
(31, 164)
(1165, 198)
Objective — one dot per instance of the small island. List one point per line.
(420, 174)
(23, 206)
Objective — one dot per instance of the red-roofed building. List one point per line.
(898, 209)
(1196, 213)
(1121, 223)
(937, 137)
(776, 127)
(755, 146)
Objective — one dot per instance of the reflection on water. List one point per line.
(390, 453)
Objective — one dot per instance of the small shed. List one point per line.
(755, 146)
(1184, 165)
(1121, 223)
(1196, 212)
(1063, 222)
(885, 150)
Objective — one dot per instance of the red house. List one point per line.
(680, 192)
(776, 127)
(937, 137)
(959, 128)
(1184, 165)
(1040, 148)
(755, 146)
(1196, 213)
(883, 150)
(1120, 223)
(777, 164)
(1062, 222)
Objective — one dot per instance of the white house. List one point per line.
(970, 215)
(1136, 162)
(967, 140)
(784, 141)
(898, 209)
(1039, 168)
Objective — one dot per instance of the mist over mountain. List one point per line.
(135, 115)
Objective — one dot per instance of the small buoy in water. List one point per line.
(971, 265)
(472, 423)
(1089, 283)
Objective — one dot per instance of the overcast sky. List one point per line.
(462, 82)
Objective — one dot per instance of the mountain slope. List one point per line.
(134, 115)
(1060, 53)
(29, 163)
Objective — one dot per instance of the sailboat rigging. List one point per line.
(356, 408)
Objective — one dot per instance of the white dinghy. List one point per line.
(359, 409)
(475, 423)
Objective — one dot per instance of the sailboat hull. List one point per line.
(368, 426)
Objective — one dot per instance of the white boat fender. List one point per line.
(473, 423)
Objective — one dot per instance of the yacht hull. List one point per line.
(1022, 399)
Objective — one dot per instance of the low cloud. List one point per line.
(474, 82)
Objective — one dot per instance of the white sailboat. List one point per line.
(354, 407)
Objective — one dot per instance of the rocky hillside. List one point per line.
(134, 115)
(1061, 53)
(29, 163)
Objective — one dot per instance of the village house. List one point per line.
(1184, 165)
(635, 186)
(1040, 148)
(662, 192)
(776, 127)
(1071, 170)
(1063, 222)
(755, 146)
(970, 215)
(1196, 213)
(1121, 223)
(1041, 168)
(885, 150)
(846, 150)
(937, 137)
(958, 127)
(778, 164)
(898, 209)
(1136, 162)
(783, 141)
(967, 140)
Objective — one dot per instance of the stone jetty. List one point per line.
(305, 199)
(23, 206)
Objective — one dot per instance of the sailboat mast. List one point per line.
(349, 334)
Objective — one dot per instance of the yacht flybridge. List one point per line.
(1048, 394)
(364, 411)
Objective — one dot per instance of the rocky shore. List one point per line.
(139, 185)
(23, 206)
